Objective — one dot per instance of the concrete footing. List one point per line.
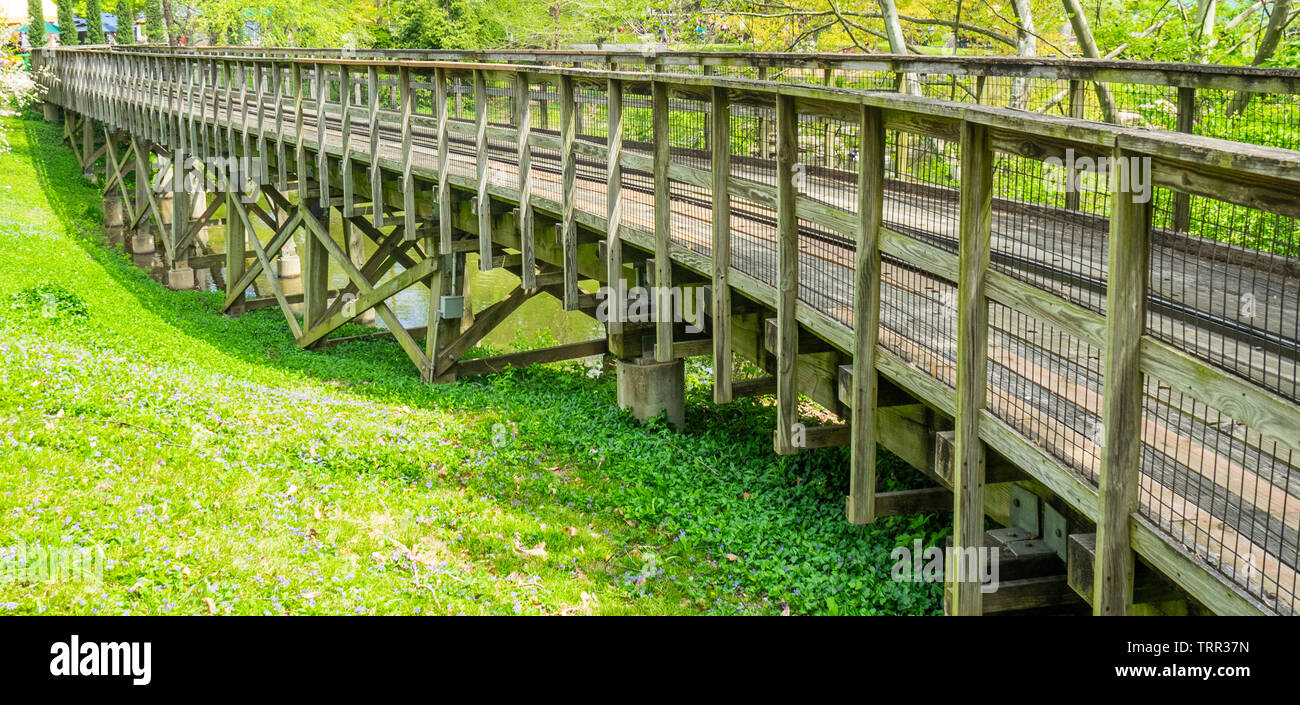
(142, 241)
(180, 278)
(651, 388)
(288, 266)
(113, 218)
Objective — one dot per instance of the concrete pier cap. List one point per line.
(648, 389)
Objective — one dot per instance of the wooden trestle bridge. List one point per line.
(1109, 373)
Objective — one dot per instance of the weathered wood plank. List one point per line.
(866, 317)
(972, 362)
(1128, 268)
(720, 135)
(787, 277)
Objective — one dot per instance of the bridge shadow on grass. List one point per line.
(717, 485)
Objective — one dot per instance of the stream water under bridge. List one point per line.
(1050, 285)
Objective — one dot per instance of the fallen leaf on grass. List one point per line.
(212, 605)
(538, 551)
(732, 557)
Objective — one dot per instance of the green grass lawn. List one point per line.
(222, 470)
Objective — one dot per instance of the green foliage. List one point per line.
(125, 11)
(94, 23)
(155, 32)
(435, 24)
(48, 300)
(487, 24)
(36, 25)
(229, 471)
(67, 23)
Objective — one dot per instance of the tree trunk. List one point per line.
(1267, 47)
(170, 20)
(897, 43)
(1088, 46)
(1026, 45)
(1204, 29)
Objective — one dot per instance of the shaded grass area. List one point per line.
(222, 470)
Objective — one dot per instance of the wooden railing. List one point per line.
(269, 107)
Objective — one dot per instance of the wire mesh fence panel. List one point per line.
(1228, 293)
(1223, 492)
(1046, 384)
(918, 319)
(1035, 239)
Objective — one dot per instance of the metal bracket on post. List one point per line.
(1024, 510)
(1055, 532)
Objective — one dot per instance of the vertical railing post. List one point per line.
(281, 152)
(1078, 110)
(719, 141)
(345, 166)
(787, 273)
(663, 266)
(524, 157)
(376, 176)
(322, 90)
(482, 202)
(260, 74)
(973, 246)
(235, 247)
(444, 161)
(1182, 215)
(1122, 390)
(568, 191)
(406, 94)
(764, 125)
(300, 146)
(866, 316)
(614, 216)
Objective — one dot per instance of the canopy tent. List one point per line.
(107, 20)
(50, 28)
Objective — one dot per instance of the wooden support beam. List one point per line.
(996, 468)
(236, 238)
(975, 218)
(442, 332)
(1148, 585)
(1122, 392)
(571, 351)
(930, 500)
(321, 234)
(887, 393)
(809, 343)
(720, 135)
(485, 322)
(787, 273)
(264, 264)
(758, 386)
(315, 271)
